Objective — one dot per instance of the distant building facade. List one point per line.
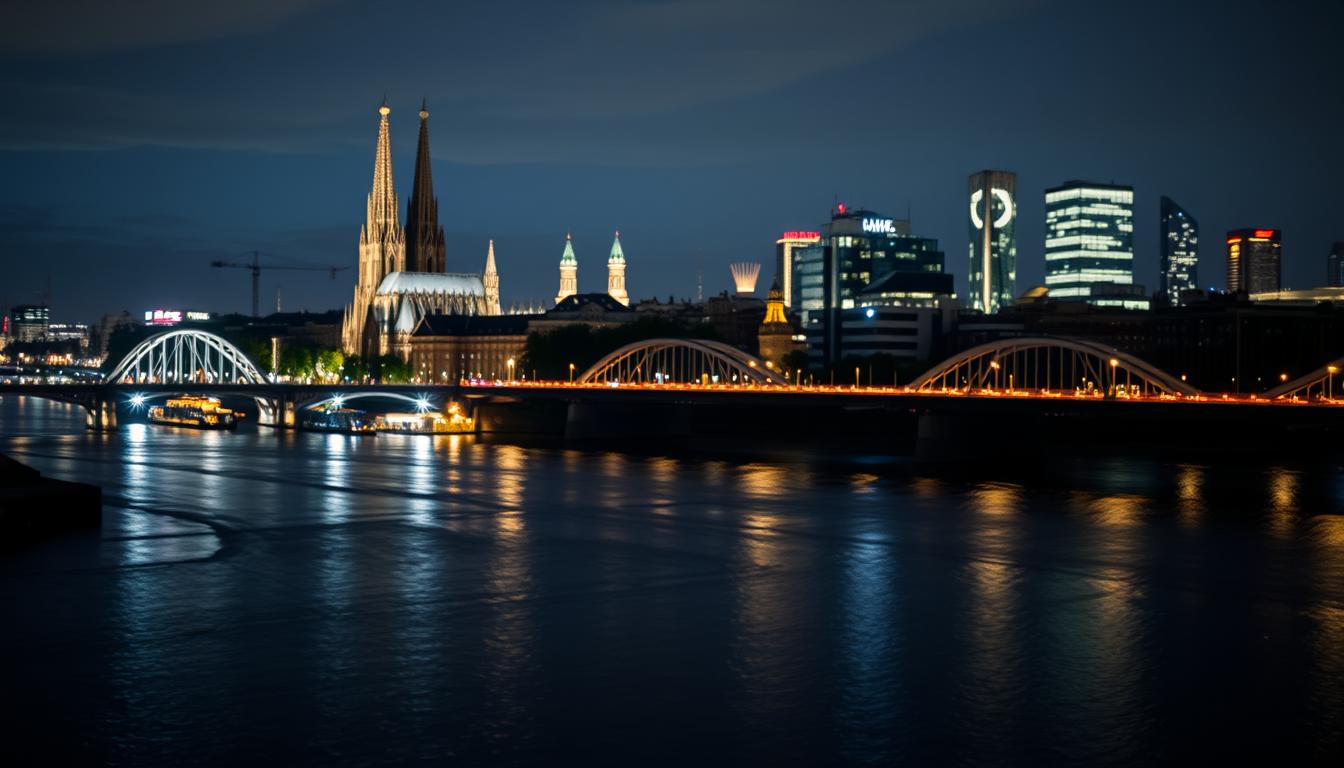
(1254, 261)
(29, 322)
(784, 248)
(448, 348)
(1089, 239)
(1178, 244)
(863, 256)
(993, 239)
(1334, 266)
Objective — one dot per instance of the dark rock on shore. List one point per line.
(32, 505)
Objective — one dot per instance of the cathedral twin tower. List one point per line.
(402, 273)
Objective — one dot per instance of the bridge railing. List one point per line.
(1051, 365)
(669, 361)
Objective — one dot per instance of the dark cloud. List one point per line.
(297, 75)
(85, 27)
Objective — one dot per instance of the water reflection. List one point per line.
(789, 612)
(1190, 495)
(871, 686)
(1326, 541)
(1283, 501)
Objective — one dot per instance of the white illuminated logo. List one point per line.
(881, 226)
(1004, 198)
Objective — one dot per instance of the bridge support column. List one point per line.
(101, 414)
(278, 412)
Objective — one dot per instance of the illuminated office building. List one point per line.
(784, 248)
(1253, 261)
(993, 242)
(1334, 264)
(30, 322)
(1179, 246)
(863, 259)
(1089, 239)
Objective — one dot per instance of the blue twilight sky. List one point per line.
(140, 144)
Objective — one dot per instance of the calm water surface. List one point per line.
(314, 598)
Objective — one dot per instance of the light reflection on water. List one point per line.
(416, 597)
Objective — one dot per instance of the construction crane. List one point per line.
(256, 266)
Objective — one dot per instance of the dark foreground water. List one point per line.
(254, 598)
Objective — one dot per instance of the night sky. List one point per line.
(139, 145)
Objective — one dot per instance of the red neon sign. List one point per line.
(1265, 233)
(800, 235)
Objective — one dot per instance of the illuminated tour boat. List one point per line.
(193, 411)
(454, 422)
(350, 421)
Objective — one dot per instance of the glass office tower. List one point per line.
(1179, 245)
(1253, 261)
(1334, 265)
(993, 242)
(1089, 239)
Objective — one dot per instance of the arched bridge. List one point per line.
(680, 361)
(1318, 385)
(186, 356)
(1050, 365)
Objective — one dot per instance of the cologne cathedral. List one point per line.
(402, 277)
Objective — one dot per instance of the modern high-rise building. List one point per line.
(993, 241)
(863, 259)
(1178, 242)
(1254, 262)
(30, 322)
(569, 271)
(784, 248)
(1089, 239)
(1334, 265)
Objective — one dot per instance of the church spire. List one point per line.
(424, 236)
(382, 242)
(490, 279)
(569, 271)
(616, 272)
(382, 213)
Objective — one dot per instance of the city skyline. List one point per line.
(686, 202)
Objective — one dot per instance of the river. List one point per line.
(264, 597)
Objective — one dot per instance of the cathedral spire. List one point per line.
(424, 236)
(382, 242)
(490, 279)
(382, 213)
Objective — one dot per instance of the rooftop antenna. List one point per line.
(700, 277)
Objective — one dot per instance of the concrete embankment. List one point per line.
(32, 505)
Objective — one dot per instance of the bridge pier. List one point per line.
(278, 412)
(101, 414)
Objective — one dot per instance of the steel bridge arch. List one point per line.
(1321, 381)
(314, 402)
(1049, 364)
(681, 361)
(185, 355)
